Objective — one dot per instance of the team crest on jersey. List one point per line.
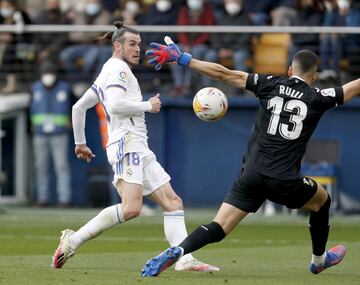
(308, 181)
(129, 172)
(329, 92)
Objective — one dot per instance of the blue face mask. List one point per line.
(92, 9)
(6, 12)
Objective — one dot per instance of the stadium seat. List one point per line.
(271, 53)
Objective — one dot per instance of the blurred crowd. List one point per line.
(80, 55)
(53, 66)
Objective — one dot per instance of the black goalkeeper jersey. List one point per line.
(289, 113)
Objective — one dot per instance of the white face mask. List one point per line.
(343, 4)
(233, 8)
(195, 4)
(132, 7)
(48, 79)
(6, 12)
(328, 6)
(163, 5)
(92, 9)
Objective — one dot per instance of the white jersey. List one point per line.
(115, 78)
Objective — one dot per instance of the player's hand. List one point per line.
(164, 54)
(155, 103)
(83, 152)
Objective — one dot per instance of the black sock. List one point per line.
(319, 228)
(203, 235)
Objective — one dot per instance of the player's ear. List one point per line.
(290, 71)
(315, 76)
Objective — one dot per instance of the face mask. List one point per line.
(195, 4)
(328, 6)
(132, 7)
(163, 5)
(343, 4)
(233, 8)
(6, 12)
(48, 79)
(92, 9)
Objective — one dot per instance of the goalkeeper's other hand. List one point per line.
(170, 53)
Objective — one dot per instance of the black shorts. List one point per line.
(251, 189)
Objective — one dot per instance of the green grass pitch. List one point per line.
(274, 250)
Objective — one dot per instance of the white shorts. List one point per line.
(136, 167)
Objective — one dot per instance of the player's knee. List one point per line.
(322, 208)
(178, 203)
(131, 213)
(174, 203)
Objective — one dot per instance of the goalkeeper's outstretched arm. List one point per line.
(351, 90)
(219, 72)
(170, 53)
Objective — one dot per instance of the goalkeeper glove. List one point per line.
(169, 53)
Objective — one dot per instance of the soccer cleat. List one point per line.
(158, 264)
(195, 265)
(333, 256)
(64, 251)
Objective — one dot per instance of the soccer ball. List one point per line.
(210, 104)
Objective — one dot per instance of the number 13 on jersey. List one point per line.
(290, 132)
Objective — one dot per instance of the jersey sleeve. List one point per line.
(260, 84)
(329, 97)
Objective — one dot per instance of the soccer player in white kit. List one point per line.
(136, 171)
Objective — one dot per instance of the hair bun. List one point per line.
(118, 24)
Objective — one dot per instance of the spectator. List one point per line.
(162, 13)
(130, 12)
(85, 48)
(350, 12)
(49, 45)
(18, 52)
(283, 13)
(309, 13)
(330, 44)
(50, 118)
(227, 45)
(259, 11)
(194, 12)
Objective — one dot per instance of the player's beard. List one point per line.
(131, 61)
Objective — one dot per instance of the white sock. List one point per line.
(175, 230)
(318, 260)
(106, 219)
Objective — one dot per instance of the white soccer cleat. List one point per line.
(195, 265)
(64, 251)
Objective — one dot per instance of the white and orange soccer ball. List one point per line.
(210, 104)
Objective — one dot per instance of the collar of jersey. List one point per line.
(295, 76)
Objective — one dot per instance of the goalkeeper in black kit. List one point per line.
(290, 110)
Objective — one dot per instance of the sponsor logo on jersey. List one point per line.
(329, 92)
(123, 76)
(288, 91)
(308, 181)
(256, 78)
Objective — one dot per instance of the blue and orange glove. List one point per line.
(169, 53)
